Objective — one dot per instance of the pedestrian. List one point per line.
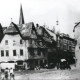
(12, 74)
(2, 76)
(6, 73)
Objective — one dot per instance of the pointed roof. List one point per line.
(26, 31)
(21, 18)
(11, 29)
(76, 26)
(51, 34)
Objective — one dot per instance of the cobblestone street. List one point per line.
(48, 74)
(52, 74)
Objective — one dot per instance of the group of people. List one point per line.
(37, 68)
(7, 74)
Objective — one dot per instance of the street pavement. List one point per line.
(51, 75)
(48, 74)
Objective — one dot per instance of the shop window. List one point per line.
(20, 62)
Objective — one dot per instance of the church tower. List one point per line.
(21, 18)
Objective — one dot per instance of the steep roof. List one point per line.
(76, 26)
(11, 30)
(26, 31)
(41, 31)
(52, 34)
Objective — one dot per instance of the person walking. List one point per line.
(2, 76)
(6, 73)
(12, 74)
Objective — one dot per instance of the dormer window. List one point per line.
(6, 42)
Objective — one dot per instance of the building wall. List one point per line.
(66, 47)
(13, 44)
(77, 32)
(77, 48)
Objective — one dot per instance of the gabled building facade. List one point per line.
(13, 47)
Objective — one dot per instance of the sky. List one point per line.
(47, 12)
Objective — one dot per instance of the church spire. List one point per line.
(21, 18)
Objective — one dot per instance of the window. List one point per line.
(6, 42)
(69, 42)
(14, 52)
(65, 41)
(2, 53)
(35, 52)
(73, 49)
(30, 41)
(21, 52)
(39, 53)
(7, 53)
(14, 42)
(40, 43)
(65, 47)
(70, 48)
(44, 54)
(79, 47)
(20, 41)
(31, 51)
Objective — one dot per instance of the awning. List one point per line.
(11, 61)
(19, 61)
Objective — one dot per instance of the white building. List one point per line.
(13, 47)
(15, 43)
(77, 48)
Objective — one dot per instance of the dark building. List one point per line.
(66, 48)
(49, 41)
